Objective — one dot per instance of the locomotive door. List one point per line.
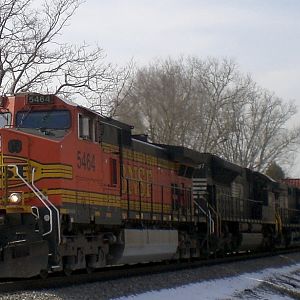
(83, 198)
(110, 202)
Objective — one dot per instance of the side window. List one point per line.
(86, 127)
(113, 171)
(82, 127)
(5, 119)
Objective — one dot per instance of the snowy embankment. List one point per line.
(271, 283)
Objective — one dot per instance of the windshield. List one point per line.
(50, 119)
(5, 119)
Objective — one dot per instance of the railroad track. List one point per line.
(117, 272)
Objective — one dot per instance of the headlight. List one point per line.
(15, 198)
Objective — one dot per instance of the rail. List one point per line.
(155, 199)
(289, 216)
(230, 207)
(223, 266)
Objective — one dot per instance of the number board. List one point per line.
(39, 99)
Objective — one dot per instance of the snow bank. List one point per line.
(237, 287)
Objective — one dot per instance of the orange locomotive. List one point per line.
(80, 191)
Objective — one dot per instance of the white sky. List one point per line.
(263, 37)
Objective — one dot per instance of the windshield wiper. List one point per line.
(45, 130)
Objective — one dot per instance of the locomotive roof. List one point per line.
(219, 162)
(183, 154)
(260, 176)
(149, 148)
(108, 120)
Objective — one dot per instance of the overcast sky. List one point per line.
(262, 36)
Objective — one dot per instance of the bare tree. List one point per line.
(218, 86)
(32, 57)
(209, 106)
(160, 102)
(259, 135)
(113, 93)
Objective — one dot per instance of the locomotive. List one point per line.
(80, 191)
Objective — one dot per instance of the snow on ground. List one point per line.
(272, 283)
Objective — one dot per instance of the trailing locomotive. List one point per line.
(80, 191)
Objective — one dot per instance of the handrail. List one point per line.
(2, 178)
(211, 221)
(187, 189)
(37, 215)
(278, 222)
(37, 195)
(164, 207)
(238, 198)
(49, 202)
(218, 217)
(289, 209)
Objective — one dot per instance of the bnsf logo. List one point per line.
(139, 180)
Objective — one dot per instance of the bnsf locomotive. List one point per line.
(81, 191)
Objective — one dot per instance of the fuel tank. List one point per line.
(147, 245)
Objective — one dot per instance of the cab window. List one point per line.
(48, 119)
(5, 119)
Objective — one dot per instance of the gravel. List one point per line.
(136, 285)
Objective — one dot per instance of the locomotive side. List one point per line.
(252, 211)
(80, 191)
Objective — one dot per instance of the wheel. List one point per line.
(90, 270)
(68, 271)
(44, 274)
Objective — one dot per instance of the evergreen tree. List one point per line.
(275, 171)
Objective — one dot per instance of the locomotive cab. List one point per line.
(31, 127)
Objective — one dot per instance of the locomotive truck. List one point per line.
(80, 191)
